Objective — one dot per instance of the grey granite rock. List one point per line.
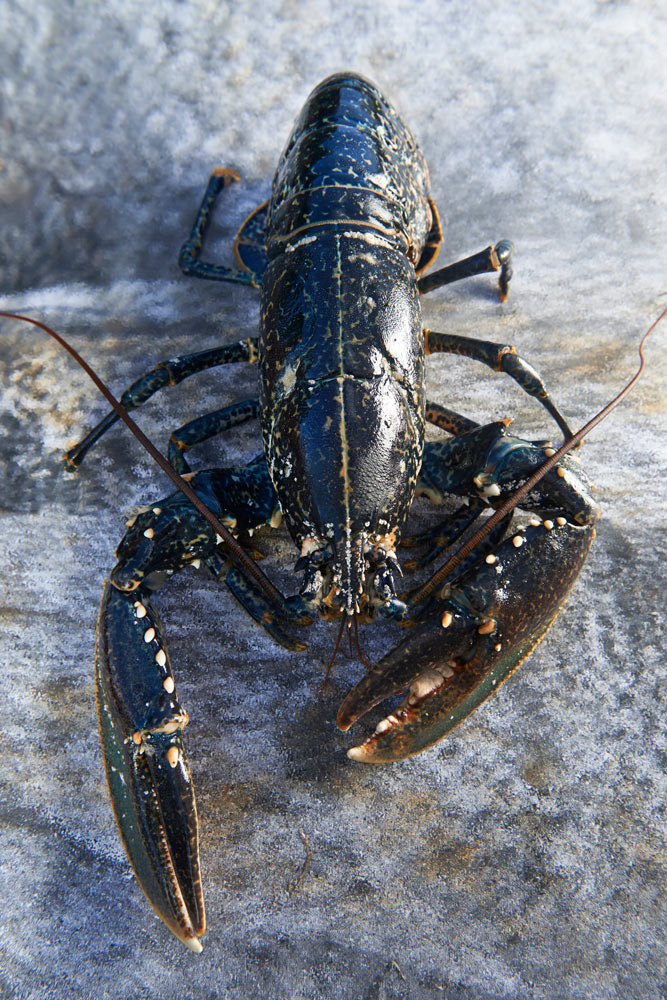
(525, 855)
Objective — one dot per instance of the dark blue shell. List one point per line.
(341, 343)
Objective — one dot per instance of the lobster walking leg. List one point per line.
(165, 373)
(189, 257)
(448, 420)
(255, 603)
(500, 358)
(493, 258)
(207, 426)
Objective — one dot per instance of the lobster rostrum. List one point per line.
(338, 253)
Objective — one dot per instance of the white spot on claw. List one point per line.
(168, 685)
(149, 634)
(148, 533)
(140, 610)
(548, 525)
(518, 541)
(161, 657)
(446, 619)
(426, 684)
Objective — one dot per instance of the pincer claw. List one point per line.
(477, 634)
(141, 722)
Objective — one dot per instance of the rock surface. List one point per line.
(523, 856)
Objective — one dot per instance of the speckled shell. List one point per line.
(341, 345)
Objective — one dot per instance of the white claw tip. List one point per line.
(194, 944)
(356, 753)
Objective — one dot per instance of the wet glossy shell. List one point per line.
(341, 346)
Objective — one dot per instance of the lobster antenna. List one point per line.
(235, 551)
(459, 555)
(343, 623)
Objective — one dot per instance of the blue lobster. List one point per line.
(338, 253)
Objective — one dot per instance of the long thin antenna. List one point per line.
(459, 555)
(235, 551)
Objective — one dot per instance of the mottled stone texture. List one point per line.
(525, 855)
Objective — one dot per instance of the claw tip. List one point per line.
(356, 753)
(194, 944)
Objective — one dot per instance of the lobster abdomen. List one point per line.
(350, 158)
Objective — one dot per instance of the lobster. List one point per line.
(339, 254)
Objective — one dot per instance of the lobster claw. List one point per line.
(141, 722)
(482, 628)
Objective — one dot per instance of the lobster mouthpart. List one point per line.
(141, 722)
(479, 632)
(369, 561)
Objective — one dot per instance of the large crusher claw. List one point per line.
(481, 629)
(141, 722)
